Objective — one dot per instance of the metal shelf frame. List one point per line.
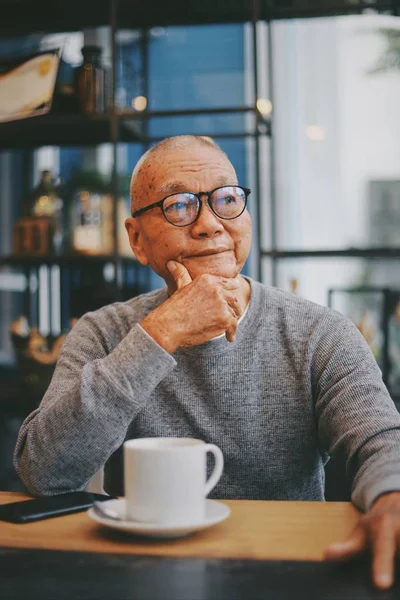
(57, 15)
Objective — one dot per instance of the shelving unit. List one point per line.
(117, 126)
(64, 130)
(62, 260)
(78, 130)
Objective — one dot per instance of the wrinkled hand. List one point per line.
(198, 311)
(379, 531)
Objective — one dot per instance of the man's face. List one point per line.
(210, 245)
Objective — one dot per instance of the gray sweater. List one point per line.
(298, 384)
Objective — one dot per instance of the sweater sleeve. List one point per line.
(356, 417)
(91, 401)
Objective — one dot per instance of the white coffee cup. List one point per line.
(165, 479)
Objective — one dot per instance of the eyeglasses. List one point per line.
(181, 209)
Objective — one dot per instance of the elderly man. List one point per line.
(278, 382)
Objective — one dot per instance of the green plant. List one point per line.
(390, 59)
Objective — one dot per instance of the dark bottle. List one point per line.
(90, 82)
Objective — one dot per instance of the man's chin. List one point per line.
(217, 270)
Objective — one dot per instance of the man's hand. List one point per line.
(198, 311)
(379, 531)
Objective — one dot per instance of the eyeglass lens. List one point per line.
(182, 209)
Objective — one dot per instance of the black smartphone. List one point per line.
(46, 507)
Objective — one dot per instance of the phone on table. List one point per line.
(46, 507)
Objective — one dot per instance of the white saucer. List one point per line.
(215, 513)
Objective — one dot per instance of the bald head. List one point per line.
(141, 181)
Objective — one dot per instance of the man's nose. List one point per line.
(207, 224)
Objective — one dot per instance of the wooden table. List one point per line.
(263, 548)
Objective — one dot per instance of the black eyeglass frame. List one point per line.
(247, 192)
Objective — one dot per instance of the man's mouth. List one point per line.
(209, 252)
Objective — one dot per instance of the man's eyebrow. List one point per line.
(178, 186)
(172, 188)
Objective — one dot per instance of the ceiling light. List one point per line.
(264, 106)
(139, 103)
(315, 133)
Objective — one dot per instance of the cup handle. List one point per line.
(218, 468)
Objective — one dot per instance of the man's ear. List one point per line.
(135, 239)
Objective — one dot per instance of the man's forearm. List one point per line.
(378, 469)
(85, 414)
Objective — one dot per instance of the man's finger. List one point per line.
(230, 335)
(234, 305)
(179, 273)
(384, 552)
(351, 547)
(231, 332)
(229, 283)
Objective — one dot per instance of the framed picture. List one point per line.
(27, 85)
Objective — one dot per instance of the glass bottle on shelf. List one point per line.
(90, 82)
(91, 217)
(65, 99)
(45, 203)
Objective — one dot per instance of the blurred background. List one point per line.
(304, 98)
